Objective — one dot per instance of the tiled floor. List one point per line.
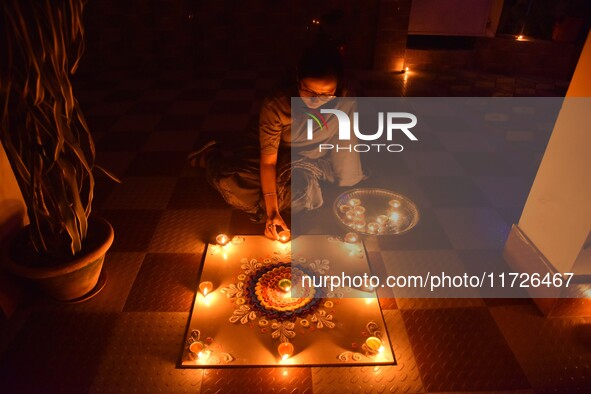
(129, 337)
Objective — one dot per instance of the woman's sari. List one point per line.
(301, 165)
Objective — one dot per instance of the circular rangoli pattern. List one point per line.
(266, 296)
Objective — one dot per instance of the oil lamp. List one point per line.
(237, 240)
(351, 238)
(394, 203)
(359, 210)
(345, 208)
(373, 228)
(375, 344)
(382, 219)
(205, 288)
(359, 224)
(197, 348)
(285, 350)
(395, 217)
(354, 202)
(284, 236)
(222, 239)
(284, 284)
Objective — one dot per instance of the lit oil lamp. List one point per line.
(222, 239)
(359, 210)
(197, 348)
(395, 217)
(394, 203)
(345, 208)
(359, 224)
(373, 228)
(285, 350)
(374, 344)
(284, 284)
(354, 202)
(351, 238)
(382, 219)
(237, 240)
(350, 214)
(284, 236)
(205, 288)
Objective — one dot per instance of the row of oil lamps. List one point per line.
(222, 239)
(374, 344)
(286, 349)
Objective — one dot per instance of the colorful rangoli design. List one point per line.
(262, 295)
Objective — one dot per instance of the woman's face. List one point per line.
(317, 91)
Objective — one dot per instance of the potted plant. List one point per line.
(50, 148)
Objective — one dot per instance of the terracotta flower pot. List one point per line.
(73, 280)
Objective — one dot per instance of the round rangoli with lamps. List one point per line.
(265, 294)
(269, 291)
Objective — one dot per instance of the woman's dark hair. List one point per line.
(321, 60)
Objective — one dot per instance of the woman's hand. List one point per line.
(269, 189)
(274, 220)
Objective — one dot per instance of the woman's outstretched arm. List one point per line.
(269, 188)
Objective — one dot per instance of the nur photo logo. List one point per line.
(392, 122)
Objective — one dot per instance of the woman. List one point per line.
(283, 174)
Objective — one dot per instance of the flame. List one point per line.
(222, 239)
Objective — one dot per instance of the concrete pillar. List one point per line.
(391, 34)
(556, 220)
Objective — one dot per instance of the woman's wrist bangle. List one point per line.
(269, 194)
